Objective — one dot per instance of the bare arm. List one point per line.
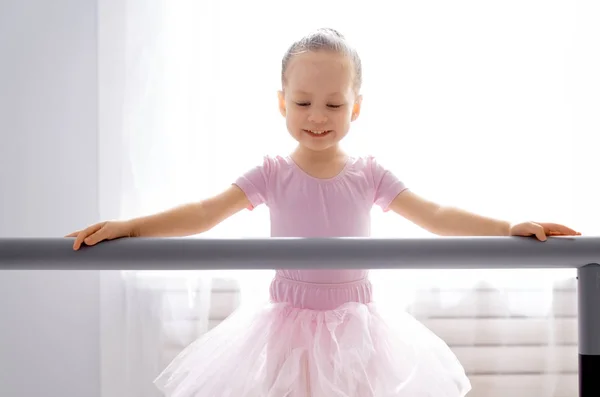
(192, 218)
(185, 220)
(446, 221)
(450, 221)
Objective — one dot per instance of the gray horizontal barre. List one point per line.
(273, 253)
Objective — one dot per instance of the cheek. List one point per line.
(343, 117)
(294, 116)
(292, 122)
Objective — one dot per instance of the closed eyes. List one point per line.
(305, 104)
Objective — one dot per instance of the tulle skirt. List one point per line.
(283, 350)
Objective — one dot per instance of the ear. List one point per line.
(282, 107)
(356, 108)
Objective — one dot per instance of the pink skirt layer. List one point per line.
(318, 340)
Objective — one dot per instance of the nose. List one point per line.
(317, 117)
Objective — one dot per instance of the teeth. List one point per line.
(318, 132)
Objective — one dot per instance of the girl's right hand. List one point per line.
(101, 231)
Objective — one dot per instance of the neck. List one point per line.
(302, 152)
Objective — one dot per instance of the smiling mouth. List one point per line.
(317, 133)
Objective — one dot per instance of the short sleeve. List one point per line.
(386, 185)
(255, 183)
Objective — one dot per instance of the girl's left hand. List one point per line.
(541, 230)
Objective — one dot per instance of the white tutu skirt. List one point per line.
(285, 351)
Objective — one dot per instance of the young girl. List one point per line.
(321, 335)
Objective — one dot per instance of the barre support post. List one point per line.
(588, 301)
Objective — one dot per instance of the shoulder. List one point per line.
(368, 165)
(270, 163)
(275, 164)
(266, 171)
(383, 183)
(259, 180)
(367, 160)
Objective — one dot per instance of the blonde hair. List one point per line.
(324, 39)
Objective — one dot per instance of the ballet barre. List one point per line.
(297, 253)
(580, 253)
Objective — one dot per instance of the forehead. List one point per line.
(319, 71)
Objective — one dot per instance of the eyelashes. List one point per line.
(306, 104)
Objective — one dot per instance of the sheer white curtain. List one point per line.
(489, 106)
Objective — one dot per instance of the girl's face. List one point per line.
(318, 99)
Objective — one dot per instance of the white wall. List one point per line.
(48, 186)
